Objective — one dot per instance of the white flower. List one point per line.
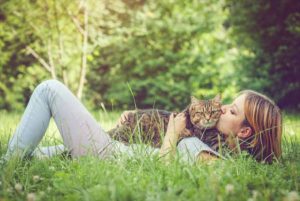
(18, 187)
(9, 189)
(229, 188)
(52, 168)
(255, 194)
(31, 197)
(292, 196)
(36, 178)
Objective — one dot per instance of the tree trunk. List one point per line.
(84, 54)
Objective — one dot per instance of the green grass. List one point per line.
(147, 178)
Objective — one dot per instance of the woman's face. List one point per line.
(232, 116)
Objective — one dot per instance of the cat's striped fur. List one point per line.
(149, 126)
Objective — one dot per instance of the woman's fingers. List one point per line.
(178, 122)
(172, 116)
(180, 116)
(123, 118)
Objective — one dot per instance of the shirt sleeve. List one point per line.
(189, 149)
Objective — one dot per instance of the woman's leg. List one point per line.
(47, 152)
(81, 133)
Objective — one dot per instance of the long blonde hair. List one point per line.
(264, 118)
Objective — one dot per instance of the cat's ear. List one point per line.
(217, 98)
(194, 100)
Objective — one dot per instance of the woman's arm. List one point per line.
(175, 126)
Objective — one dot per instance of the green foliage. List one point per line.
(53, 30)
(268, 37)
(164, 51)
(170, 50)
(14, 83)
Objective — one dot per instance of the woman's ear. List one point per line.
(244, 132)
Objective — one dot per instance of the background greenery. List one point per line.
(163, 50)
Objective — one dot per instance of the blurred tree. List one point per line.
(44, 39)
(267, 34)
(167, 51)
(164, 50)
(13, 62)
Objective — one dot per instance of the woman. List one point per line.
(252, 118)
(252, 123)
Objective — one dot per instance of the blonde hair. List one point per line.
(264, 118)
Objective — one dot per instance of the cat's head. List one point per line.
(205, 113)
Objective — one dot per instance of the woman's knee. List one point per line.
(52, 85)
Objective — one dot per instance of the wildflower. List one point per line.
(31, 197)
(18, 187)
(36, 178)
(49, 188)
(255, 194)
(9, 189)
(229, 188)
(292, 196)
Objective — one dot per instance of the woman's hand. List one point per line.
(176, 124)
(124, 117)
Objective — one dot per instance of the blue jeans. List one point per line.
(81, 133)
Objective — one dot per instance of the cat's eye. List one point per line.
(232, 112)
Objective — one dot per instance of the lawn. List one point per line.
(147, 178)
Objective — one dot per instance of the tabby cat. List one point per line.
(149, 126)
